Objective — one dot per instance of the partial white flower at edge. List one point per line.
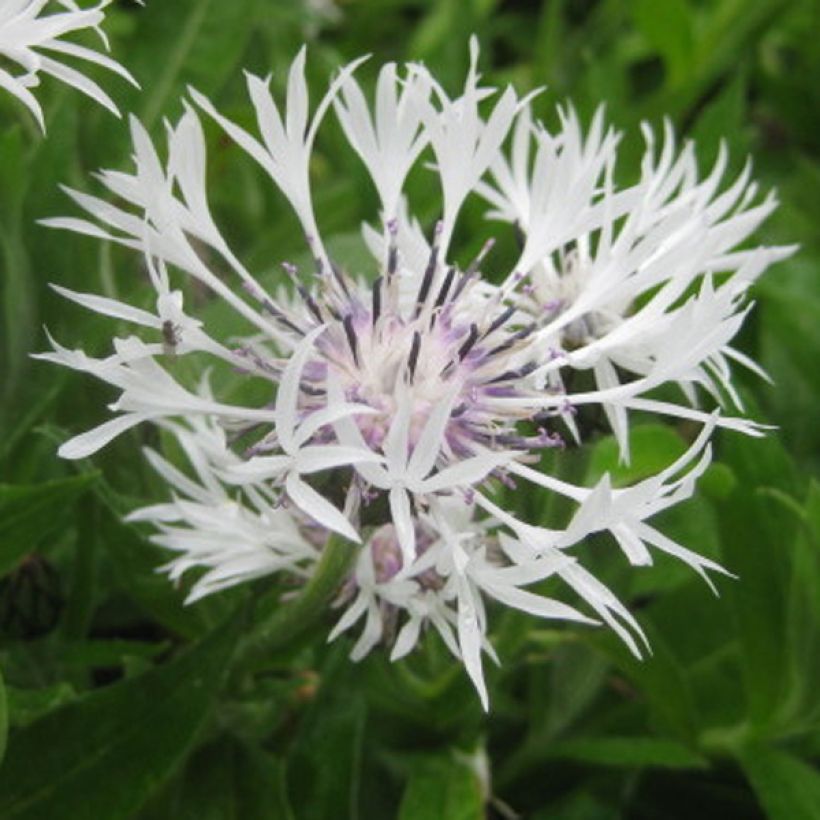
(394, 410)
(33, 39)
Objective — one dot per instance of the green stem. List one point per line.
(288, 621)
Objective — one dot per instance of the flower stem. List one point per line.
(288, 621)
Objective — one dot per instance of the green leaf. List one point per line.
(660, 678)
(717, 482)
(27, 705)
(628, 751)
(16, 284)
(551, 44)
(756, 533)
(787, 788)
(108, 653)
(135, 563)
(42, 401)
(562, 690)
(790, 336)
(325, 765)
(803, 613)
(813, 510)
(723, 121)
(448, 22)
(443, 787)
(81, 599)
(580, 805)
(652, 447)
(4, 719)
(693, 523)
(668, 28)
(13, 177)
(199, 43)
(105, 754)
(576, 677)
(30, 513)
(226, 778)
(727, 33)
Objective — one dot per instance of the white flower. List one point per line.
(444, 588)
(607, 271)
(393, 410)
(407, 472)
(298, 457)
(463, 144)
(34, 41)
(202, 517)
(390, 142)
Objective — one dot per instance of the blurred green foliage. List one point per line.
(114, 697)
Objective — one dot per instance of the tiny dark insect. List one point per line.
(171, 337)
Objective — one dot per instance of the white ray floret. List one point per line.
(32, 36)
(393, 412)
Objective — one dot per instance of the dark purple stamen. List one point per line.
(350, 332)
(392, 250)
(427, 280)
(472, 338)
(392, 261)
(377, 298)
(499, 320)
(339, 275)
(412, 360)
(445, 287)
(310, 302)
(518, 373)
(280, 317)
(258, 362)
(516, 337)
(520, 236)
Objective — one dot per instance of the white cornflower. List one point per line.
(396, 410)
(33, 42)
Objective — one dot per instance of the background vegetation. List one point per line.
(117, 702)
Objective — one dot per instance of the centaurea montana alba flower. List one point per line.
(400, 406)
(34, 41)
